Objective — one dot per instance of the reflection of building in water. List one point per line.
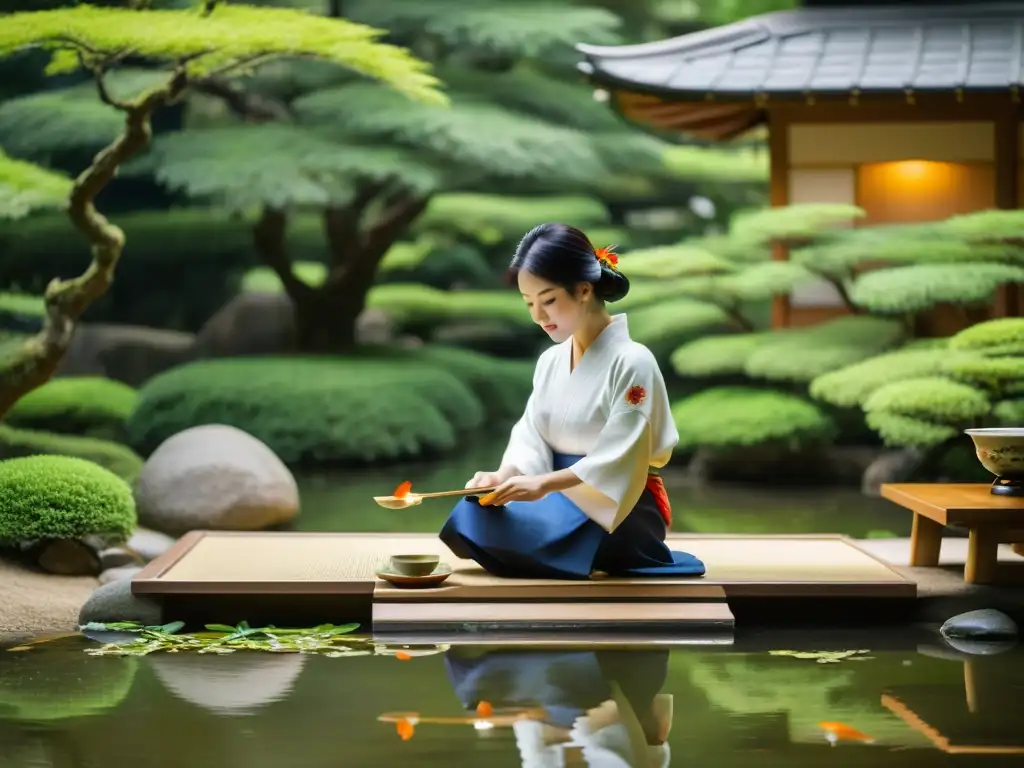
(239, 684)
(591, 708)
(983, 719)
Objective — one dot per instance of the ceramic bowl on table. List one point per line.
(1001, 451)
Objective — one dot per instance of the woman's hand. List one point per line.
(485, 480)
(521, 488)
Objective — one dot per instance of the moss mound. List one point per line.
(376, 405)
(59, 497)
(119, 459)
(732, 417)
(81, 405)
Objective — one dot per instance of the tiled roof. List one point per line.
(975, 47)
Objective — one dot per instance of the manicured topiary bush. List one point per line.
(59, 497)
(377, 405)
(83, 405)
(852, 385)
(118, 458)
(732, 417)
(1004, 336)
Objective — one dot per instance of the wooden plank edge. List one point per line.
(530, 616)
(156, 568)
(544, 639)
(297, 589)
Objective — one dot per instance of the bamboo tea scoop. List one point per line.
(412, 499)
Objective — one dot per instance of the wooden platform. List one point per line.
(226, 576)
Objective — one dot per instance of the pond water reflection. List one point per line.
(860, 705)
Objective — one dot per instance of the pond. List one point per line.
(342, 501)
(864, 701)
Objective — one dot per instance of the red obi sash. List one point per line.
(657, 489)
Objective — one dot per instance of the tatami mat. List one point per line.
(322, 563)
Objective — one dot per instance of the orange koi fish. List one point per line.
(836, 732)
(405, 729)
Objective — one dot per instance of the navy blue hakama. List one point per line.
(552, 538)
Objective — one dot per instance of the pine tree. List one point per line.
(313, 137)
(193, 46)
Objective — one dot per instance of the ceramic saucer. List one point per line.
(439, 574)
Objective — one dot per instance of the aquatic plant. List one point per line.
(332, 641)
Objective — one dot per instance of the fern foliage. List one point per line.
(230, 37)
(515, 28)
(26, 188)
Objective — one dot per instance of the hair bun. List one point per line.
(612, 285)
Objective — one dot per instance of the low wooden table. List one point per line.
(990, 520)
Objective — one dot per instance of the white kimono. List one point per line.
(613, 409)
(607, 747)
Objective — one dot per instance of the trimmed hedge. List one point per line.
(78, 405)
(382, 404)
(733, 417)
(119, 459)
(59, 497)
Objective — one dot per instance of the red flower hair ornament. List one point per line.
(608, 257)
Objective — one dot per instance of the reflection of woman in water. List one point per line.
(578, 489)
(579, 691)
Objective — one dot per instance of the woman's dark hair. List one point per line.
(565, 256)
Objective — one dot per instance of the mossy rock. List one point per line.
(734, 417)
(60, 497)
(80, 405)
(118, 458)
(375, 405)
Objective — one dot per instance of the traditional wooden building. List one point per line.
(911, 111)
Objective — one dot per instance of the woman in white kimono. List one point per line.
(577, 488)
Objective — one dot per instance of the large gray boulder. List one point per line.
(214, 477)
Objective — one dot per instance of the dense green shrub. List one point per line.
(732, 417)
(59, 497)
(1002, 375)
(930, 398)
(1009, 413)
(802, 354)
(723, 355)
(900, 431)
(83, 405)
(375, 405)
(852, 385)
(1003, 336)
(915, 288)
(119, 459)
